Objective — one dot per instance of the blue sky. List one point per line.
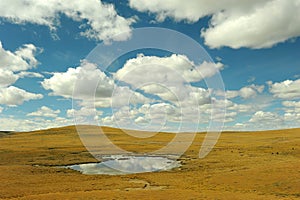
(45, 46)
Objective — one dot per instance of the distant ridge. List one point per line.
(5, 133)
(113, 129)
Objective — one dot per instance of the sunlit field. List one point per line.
(243, 165)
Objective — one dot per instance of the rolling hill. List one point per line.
(243, 165)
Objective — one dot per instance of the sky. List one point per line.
(52, 70)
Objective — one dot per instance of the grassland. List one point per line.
(243, 165)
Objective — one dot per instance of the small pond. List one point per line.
(120, 164)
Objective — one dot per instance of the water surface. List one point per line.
(120, 164)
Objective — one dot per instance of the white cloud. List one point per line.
(165, 116)
(292, 113)
(152, 117)
(7, 78)
(168, 77)
(158, 115)
(285, 90)
(24, 74)
(256, 27)
(19, 124)
(83, 79)
(208, 69)
(84, 111)
(245, 92)
(238, 126)
(234, 23)
(141, 120)
(27, 53)
(192, 10)
(266, 120)
(45, 111)
(1, 109)
(107, 121)
(22, 59)
(291, 118)
(262, 120)
(180, 95)
(262, 117)
(233, 110)
(13, 96)
(230, 94)
(239, 108)
(125, 96)
(175, 68)
(84, 115)
(100, 20)
(292, 108)
(107, 93)
(12, 66)
(160, 112)
(291, 104)
(165, 93)
(92, 87)
(250, 91)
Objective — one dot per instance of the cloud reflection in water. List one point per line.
(115, 165)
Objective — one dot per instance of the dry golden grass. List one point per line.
(245, 165)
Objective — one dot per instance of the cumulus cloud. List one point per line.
(292, 118)
(84, 111)
(233, 110)
(7, 78)
(83, 114)
(38, 123)
(285, 90)
(107, 121)
(239, 108)
(262, 120)
(261, 117)
(162, 111)
(24, 74)
(233, 23)
(266, 120)
(13, 96)
(191, 11)
(175, 68)
(256, 28)
(45, 111)
(148, 116)
(12, 67)
(22, 59)
(86, 77)
(250, 91)
(295, 104)
(292, 110)
(165, 95)
(125, 96)
(168, 77)
(100, 21)
(92, 86)
(245, 92)
(141, 120)
(165, 116)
